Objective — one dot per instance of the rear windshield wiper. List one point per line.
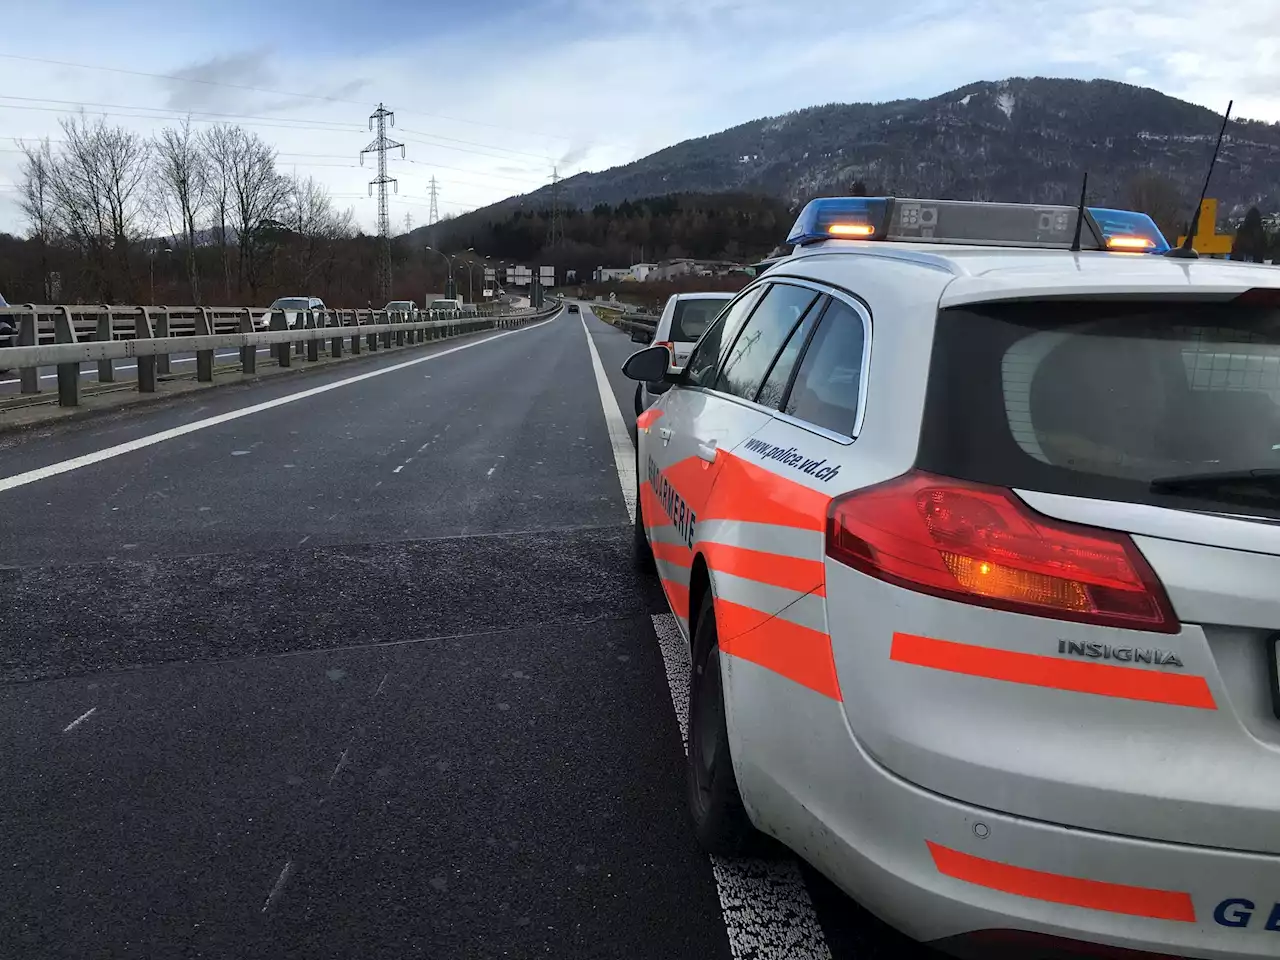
(1261, 478)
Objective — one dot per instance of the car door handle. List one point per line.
(707, 450)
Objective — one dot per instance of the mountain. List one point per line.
(1021, 139)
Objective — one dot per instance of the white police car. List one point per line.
(977, 543)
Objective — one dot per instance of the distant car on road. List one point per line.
(573, 308)
(407, 307)
(294, 308)
(445, 306)
(683, 319)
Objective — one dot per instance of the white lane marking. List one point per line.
(75, 463)
(132, 366)
(80, 719)
(490, 473)
(304, 539)
(623, 452)
(398, 469)
(768, 913)
(342, 762)
(382, 684)
(278, 889)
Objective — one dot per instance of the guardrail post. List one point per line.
(355, 337)
(64, 331)
(29, 377)
(248, 354)
(106, 369)
(204, 358)
(334, 319)
(400, 332)
(386, 334)
(373, 337)
(142, 330)
(283, 349)
(161, 326)
(313, 344)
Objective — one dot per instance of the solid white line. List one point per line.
(490, 473)
(398, 469)
(79, 720)
(75, 463)
(624, 458)
(768, 913)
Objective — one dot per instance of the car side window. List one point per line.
(748, 360)
(774, 390)
(705, 360)
(829, 382)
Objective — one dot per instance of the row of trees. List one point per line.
(103, 201)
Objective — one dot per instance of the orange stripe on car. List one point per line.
(676, 554)
(745, 491)
(645, 420)
(678, 598)
(1057, 888)
(795, 652)
(793, 573)
(1037, 670)
(651, 508)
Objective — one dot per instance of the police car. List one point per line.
(976, 542)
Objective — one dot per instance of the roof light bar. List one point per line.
(1050, 226)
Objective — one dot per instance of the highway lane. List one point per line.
(365, 673)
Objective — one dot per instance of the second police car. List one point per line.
(976, 542)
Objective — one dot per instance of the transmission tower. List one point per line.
(380, 146)
(408, 221)
(557, 228)
(433, 212)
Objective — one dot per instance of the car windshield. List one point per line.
(1110, 400)
(692, 317)
(291, 303)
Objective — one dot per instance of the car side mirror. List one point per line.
(648, 365)
(641, 335)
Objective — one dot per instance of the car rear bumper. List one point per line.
(968, 878)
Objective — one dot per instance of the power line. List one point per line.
(274, 93)
(493, 146)
(380, 146)
(146, 116)
(182, 113)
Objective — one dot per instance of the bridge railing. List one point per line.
(65, 336)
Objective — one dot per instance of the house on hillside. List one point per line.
(688, 267)
(640, 271)
(611, 274)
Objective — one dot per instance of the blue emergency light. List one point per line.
(1051, 226)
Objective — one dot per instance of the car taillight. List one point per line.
(979, 544)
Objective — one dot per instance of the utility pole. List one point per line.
(433, 212)
(557, 228)
(380, 146)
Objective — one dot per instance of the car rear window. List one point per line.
(692, 317)
(291, 303)
(1109, 400)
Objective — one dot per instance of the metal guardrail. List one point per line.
(66, 336)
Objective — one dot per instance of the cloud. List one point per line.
(503, 94)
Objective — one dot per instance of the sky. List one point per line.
(492, 96)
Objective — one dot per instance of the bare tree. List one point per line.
(219, 143)
(97, 183)
(318, 225)
(182, 178)
(35, 197)
(259, 197)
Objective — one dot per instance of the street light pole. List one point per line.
(448, 261)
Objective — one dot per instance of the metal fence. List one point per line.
(66, 336)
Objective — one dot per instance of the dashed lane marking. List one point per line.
(768, 914)
(278, 889)
(80, 719)
(75, 463)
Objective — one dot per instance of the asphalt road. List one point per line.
(366, 673)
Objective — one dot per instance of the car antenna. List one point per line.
(1075, 244)
(1186, 251)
